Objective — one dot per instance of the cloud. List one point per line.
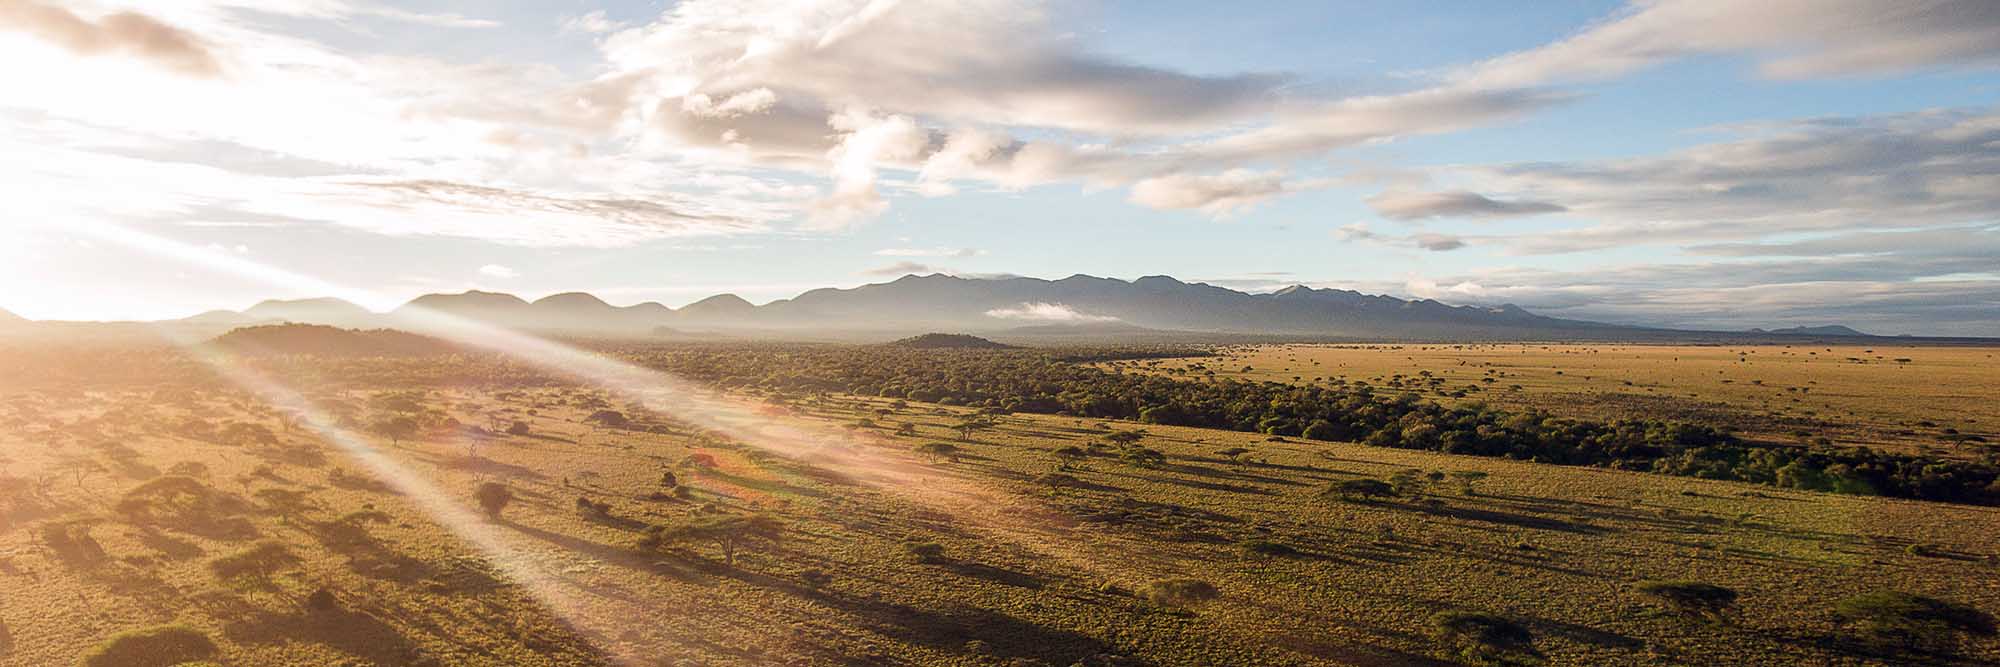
(930, 252)
(592, 22)
(1909, 170)
(1408, 205)
(1047, 312)
(498, 271)
(127, 33)
(515, 216)
(1214, 194)
(902, 269)
(1791, 38)
(1360, 232)
(1437, 242)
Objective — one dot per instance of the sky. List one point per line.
(1685, 163)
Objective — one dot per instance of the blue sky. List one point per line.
(1680, 162)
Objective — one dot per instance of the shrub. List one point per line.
(926, 552)
(493, 497)
(1895, 621)
(1179, 591)
(158, 646)
(517, 428)
(1691, 598)
(1368, 489)
(592, 509)
(1481, 638)
(1268, 548)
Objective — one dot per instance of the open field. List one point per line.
(124, 511)
(1936, 399)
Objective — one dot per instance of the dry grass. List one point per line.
(1897, 397)
(1021, 570)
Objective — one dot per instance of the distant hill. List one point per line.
(10, 318)
(326, 341)
(1079, 307)
(314, 311)
(1828, 330)
(944, 341)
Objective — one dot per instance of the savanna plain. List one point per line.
(937, 503)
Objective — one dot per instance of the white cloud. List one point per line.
(1215, 194)
(1047, 312)
(1409, 205)
(498, 271)
(941, 251)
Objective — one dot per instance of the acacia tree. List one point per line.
(728, 533)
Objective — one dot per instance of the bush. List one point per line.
(1179, 592)
(1481, 638)
(926, 552)
(493, 497)
(1894, 621)
(1368, 489)
(517, 428)
(1268, 548)
(1691, 598)
(592, 509)
(158, 646)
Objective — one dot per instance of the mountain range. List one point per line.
(1158, 307)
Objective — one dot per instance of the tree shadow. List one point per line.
(357, 634)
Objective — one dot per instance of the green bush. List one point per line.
(158, 646)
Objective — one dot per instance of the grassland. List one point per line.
(1933, 399)
(387, 560)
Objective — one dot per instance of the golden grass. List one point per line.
(1025, 572)
(1898, 397)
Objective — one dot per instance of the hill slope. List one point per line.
(943, 341)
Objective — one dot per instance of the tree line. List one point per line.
(1043, 382)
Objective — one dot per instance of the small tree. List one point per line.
(1691, 598)
(493, 497)
(942, 451)
(394, 428)
(1481, 638)
(1067, 457)
(1125, 438)
(728, 533)
(1894, 621)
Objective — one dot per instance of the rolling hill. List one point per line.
(1024, 306)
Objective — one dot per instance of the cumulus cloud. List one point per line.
(125, 33)
(1055, 313)
(1409, 205)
